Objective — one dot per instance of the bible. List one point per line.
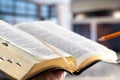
(34, 47)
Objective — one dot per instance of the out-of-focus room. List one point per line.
(90, 18)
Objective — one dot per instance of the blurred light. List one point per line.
(79, 17)
(116, 14)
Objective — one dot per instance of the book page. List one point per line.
(66, 40)
(26, 41)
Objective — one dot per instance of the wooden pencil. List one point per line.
(110, 36)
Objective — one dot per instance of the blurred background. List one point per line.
(90, 18)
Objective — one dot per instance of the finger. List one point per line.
(53, 75)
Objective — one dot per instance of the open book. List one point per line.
(52, 47)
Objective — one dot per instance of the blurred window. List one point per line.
(14, 11)
(82, 29)
(5, 5)
(44, 11)
(48, 12)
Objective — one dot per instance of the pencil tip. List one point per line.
(101, 39)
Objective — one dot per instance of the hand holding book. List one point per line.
(53, 75)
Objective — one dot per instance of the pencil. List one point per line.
(110, 36)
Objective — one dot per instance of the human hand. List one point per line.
(53, 75)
